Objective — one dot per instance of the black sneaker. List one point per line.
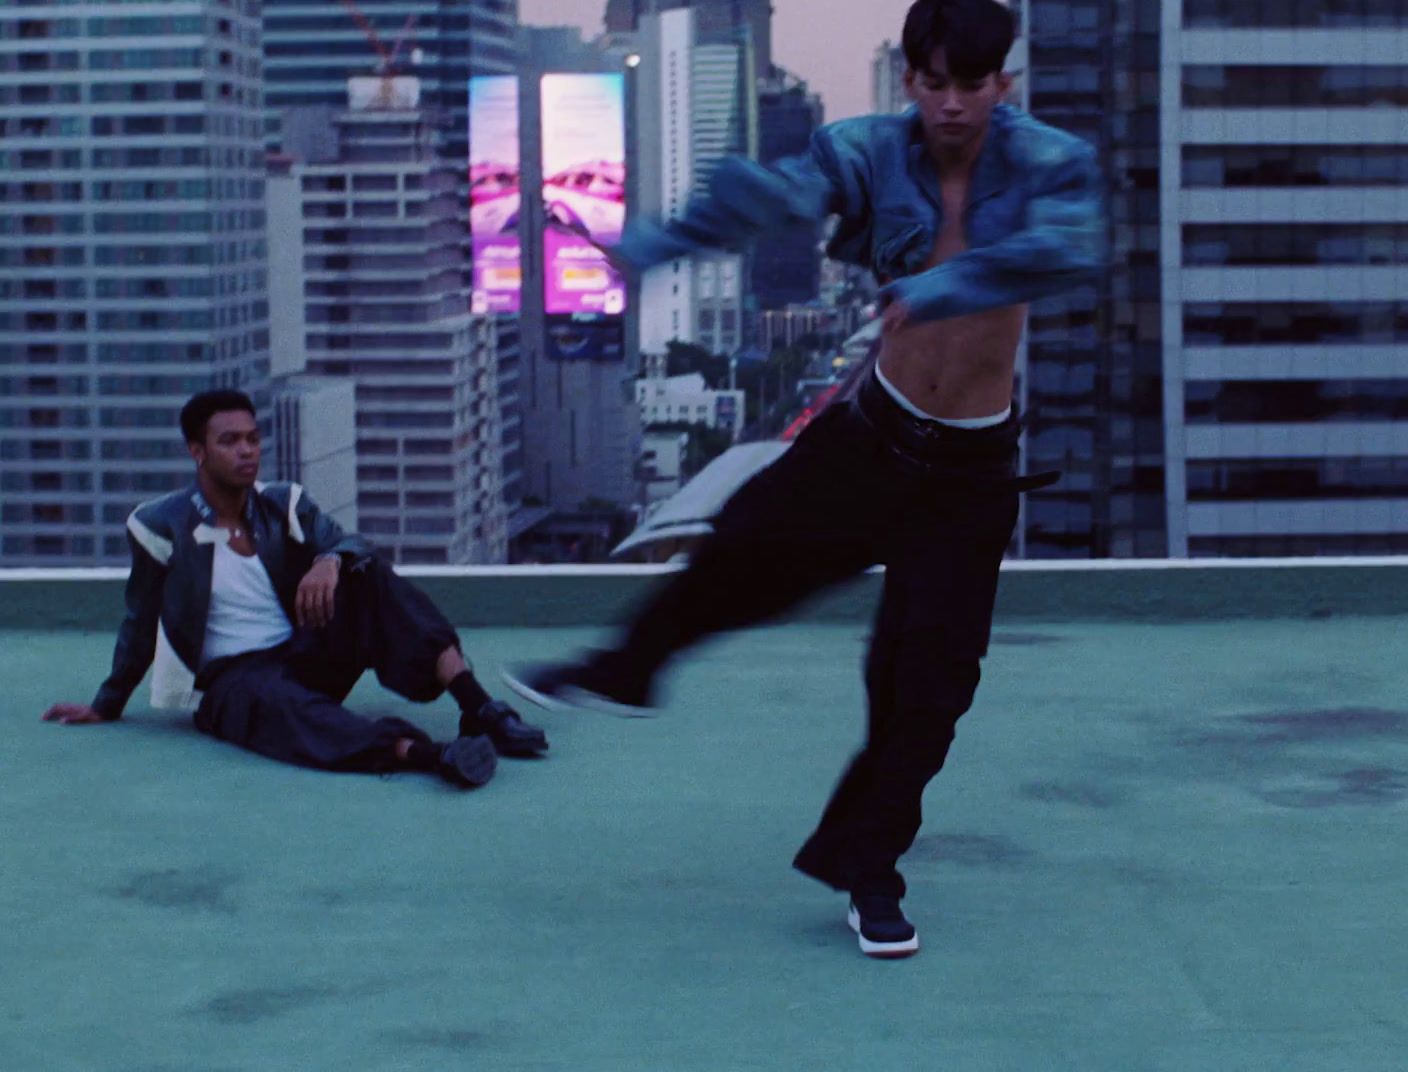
(880, 925)
(565, 686)
(468, 762)
(510, 734)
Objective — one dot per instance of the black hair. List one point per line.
(196, 413)
(976, 35)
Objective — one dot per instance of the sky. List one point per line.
(829, 43)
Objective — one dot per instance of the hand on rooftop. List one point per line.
(72, 714)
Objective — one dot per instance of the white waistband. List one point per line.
(968, 423)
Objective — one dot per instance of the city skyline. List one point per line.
(1235, 384)
(832, 55)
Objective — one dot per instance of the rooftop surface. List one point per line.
(1155, 847)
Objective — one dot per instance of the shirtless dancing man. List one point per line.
(965, 209)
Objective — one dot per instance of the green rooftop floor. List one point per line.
(1156, 847)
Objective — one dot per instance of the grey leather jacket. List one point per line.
(173, 542)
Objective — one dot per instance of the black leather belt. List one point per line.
(935, 450)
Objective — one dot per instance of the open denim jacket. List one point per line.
(173, 551)
(1035, 220)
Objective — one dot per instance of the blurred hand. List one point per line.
(313, 606)
(895, 317)
(623, 267)
(73, 714)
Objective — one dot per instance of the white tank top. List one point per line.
(245, 613)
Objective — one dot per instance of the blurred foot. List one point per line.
(567, 686)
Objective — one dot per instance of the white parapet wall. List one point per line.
(542, 596)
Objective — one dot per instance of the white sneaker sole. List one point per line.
(573, 699)
(532, 695)
(881, 950)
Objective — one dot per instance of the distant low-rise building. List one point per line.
(664, 453)
(791, 325)
(315, 437)
(688, 399)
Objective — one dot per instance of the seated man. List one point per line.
(278, 612)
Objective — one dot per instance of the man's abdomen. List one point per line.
(959, 368)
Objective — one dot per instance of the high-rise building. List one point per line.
(312, 47)
(132, 256)
(1093, 381)
(1284, 186)
(1229, 386)
(315, 417)
(581, 429)
(787, 267)
(694, 108)
(887, 68)
(723, 21)
(386, 297)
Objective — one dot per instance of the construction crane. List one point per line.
(386, 70)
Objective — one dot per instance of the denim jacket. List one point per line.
(173, 550)
(1034, 221)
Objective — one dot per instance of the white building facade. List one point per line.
(1285, 277)
(694, 109)
(687, 400)
(887, 67)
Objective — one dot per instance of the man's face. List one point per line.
(230, 453)
(955, 111)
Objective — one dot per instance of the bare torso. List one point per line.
(961, 367)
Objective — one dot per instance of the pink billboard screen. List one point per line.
(584, 191)
(495, 194)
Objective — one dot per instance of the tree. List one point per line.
(705, 444)
(682, 358)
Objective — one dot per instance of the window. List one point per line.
(1296, 401)
(1294, 165)
(1395, 543)
(324, 183)
(1258, 323)
(1278, 14)
(370, 183)
(143, 59)
(1298, 244)
(1298, 478)
(1301, 86)
(375, 209)
(151, 222)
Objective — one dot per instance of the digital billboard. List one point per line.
(586, 338)
(584, 191)
(495, 194)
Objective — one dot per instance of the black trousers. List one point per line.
(865, 483)
(286, 702)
